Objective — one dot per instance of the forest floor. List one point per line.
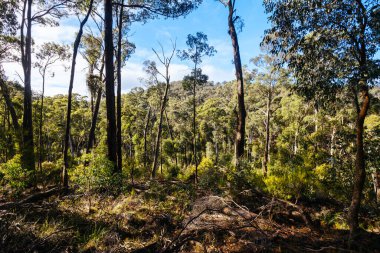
(170, 216)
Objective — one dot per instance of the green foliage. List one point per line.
(95, 172)
(14, 175)
(210, 176)
(246, 177)
(50, 172)
(173, 171)
(289, 182)
(332, 219)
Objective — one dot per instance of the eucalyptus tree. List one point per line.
(198, 47)
(43, 13)
(234, 20)
(92, 51)
(87, 5)
(11, 108)
(8, 41)
(145, 9)
(49, 53)
(269, 76)
(124, 51)
(336, 40)
(152, 69)
(8, 29)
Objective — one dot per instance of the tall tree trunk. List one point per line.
(12, 111)
(41, 124)
(91, 136)
(195, 128)
(119, 45)
(362, 110)
(359, 174)
(241, 115)
(332, 144)
(171, 136)
(110, 84)
(145, 138)
(267, 132)
(159, 130)
(28, 158)
(65, 179)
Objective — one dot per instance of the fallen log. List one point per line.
(32, 198)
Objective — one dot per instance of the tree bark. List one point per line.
(91, 136)
(195, 126)
(241, 115)
(145, 139)
(362, 110)
(65, 180)
(110, 84)
(12, 111)
(359, 174)
(41, 124)
(171, 136)
(267, 132)
(28, 158)
(119, 45)
(159, 130)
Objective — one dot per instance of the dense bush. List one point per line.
(14, 175)
(95, 172)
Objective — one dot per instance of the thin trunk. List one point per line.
(195, 128)
(12, 111)
(65, 180)
(145, 139)
(241, 115)
(91, 136)
(161, 156)
(159, 129)
(71, 145)
(216, 153)
(362, 110)
(376, 185)
(28, 158)
(359, 174)
(267, 133)
(119, 45)
(171, 136)
(295, 148)
(332, 146)
(110, 84)
(41, 124)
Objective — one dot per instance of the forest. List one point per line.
(284, 157)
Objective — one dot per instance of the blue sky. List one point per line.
(210, 18)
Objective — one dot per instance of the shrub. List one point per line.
(210, 176)
(173, 171)
(246, 177)
(290, 182)
(50, 172)
(203, 166)
(97, 175)
(14, 175)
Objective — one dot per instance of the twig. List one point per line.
(329, 247)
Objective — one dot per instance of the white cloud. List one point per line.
(131, 73)
(218, 74)
(63, 34)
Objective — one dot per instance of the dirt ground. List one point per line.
(173, 217)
